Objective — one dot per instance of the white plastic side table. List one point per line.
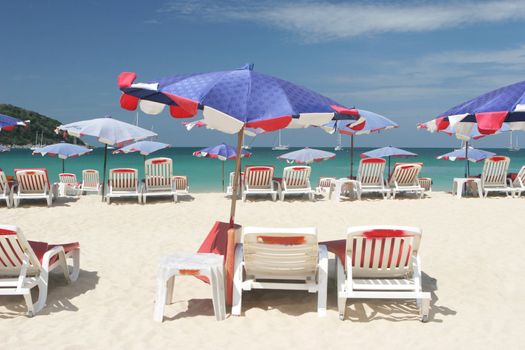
(459, 185)
(190, 264)
(339, 183)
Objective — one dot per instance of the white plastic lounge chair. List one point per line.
(90, 181)
(518, 184)
(381, 262)
(123, 182)
(280, 258)
(325, 185)
(5, 190)
(33, 184)
(229, 189)
(371, 177)
(26, 264)
(69, 185)
(182, 188)
(158, 178)
(296, 180)
(405, 178)
(259, 180)
(426, 183)
(494, 175)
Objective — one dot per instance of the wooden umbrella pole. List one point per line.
(223, 175)
(237, 176)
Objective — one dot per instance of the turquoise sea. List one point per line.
(205, 174)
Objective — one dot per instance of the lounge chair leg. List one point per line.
(42, 294)
(237, 282)
(158, 312)
(425, 305)
(75, 269)
(323, 281)
(341, 280)
(169, 291)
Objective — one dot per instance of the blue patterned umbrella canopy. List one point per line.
(143, 147)
(389, 152)
(63, 151)
(9, 123)
(467, 154)
(222, 152)
(486, 113)
(306, 156)
(231, 99)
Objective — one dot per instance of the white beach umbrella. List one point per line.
(108, 131)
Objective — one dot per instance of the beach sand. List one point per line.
(472, 256)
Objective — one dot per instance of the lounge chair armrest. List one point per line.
(57, 250)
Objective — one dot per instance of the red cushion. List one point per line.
(40, 248)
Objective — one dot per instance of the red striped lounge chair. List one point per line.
(370, 176)
(90, 181)
(182, 188)
(158, 179)
(123, 183)
(405, 179)
(381, 262)
(33, 184)
(5, 190)
(27, 264)
(259, 180)
(494, 175)
(325, 185)
(296, 180)
(69, 184)
(517, 184)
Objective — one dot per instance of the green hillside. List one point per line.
(26, 135)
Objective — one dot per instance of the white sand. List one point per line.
(472, 252)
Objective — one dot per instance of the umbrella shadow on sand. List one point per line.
(60, 295)
(395, 310)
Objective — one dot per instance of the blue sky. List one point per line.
(408, 60)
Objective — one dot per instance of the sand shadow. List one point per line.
(196, 307)
(59, 296)
(58, 202)
(393, 310)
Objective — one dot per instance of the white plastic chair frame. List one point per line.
(70, 183)
(122, 183)
(20, 269)
(382, 262)
(296, 180)
(90, 181)
(33, 184)
(494, 175)
(158, 178)
(5, 190)
(279, 258)
(370, 176)
(518, 184)
(405, 178)
(259, 180)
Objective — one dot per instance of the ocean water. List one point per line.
(204, 174)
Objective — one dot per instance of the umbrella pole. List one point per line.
(222, 175)
(63, 165)
(104, 173)
(237, 176)
(351, 155)
(466, 160)
(388, 165)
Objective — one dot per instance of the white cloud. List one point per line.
(321, 20)
(151, 21)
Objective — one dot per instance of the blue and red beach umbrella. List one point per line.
(63, 151)
(467, 154)
(145, 148)
(8, 123)
(389, 152)
(486, 113)
(306, 156)
(221, 152)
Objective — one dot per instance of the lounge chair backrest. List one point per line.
(3, 181)
(158, 172)
(382, 251)
(280, 253)
(68, 178)
(32, 180)
(14, 250)
(181, 182)
(326, 182)
(296, 177)
(371, 171)
(495, 171)
(232, 177)
(258, 177)
(123, 179)
(90, 178)
(405, 174)
(519, 180)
